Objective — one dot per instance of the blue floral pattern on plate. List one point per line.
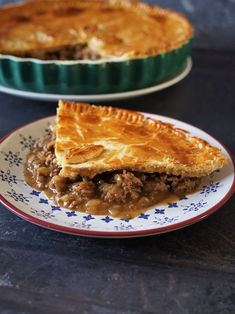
(35, 203)
(12, 158)
(6, 176)
(211, 188)
(18, 197)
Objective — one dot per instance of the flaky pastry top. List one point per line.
(95, 139)
(113, 29)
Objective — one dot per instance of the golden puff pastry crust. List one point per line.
(112, 29)
(94, 139)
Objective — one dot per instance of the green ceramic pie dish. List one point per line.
(91, 77)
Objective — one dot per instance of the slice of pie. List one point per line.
(106, 160)
(73, 30)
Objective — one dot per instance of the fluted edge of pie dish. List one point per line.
(91, 77)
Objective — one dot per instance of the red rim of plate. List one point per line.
(119, 234)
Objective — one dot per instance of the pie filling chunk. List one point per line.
(110, 161)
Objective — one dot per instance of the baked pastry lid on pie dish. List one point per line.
(94, 139)
(117, 74)
(111, 28)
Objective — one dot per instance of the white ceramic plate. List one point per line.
(100, 97)
(34, 206)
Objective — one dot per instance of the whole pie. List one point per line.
(105, 160)
(91, 29)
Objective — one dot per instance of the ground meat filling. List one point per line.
(120, 187)
(107, 190)
(70, 52)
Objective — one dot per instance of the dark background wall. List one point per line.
(214, 20)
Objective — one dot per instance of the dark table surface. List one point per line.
(187, 271)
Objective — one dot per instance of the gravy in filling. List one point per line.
(123, 194)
